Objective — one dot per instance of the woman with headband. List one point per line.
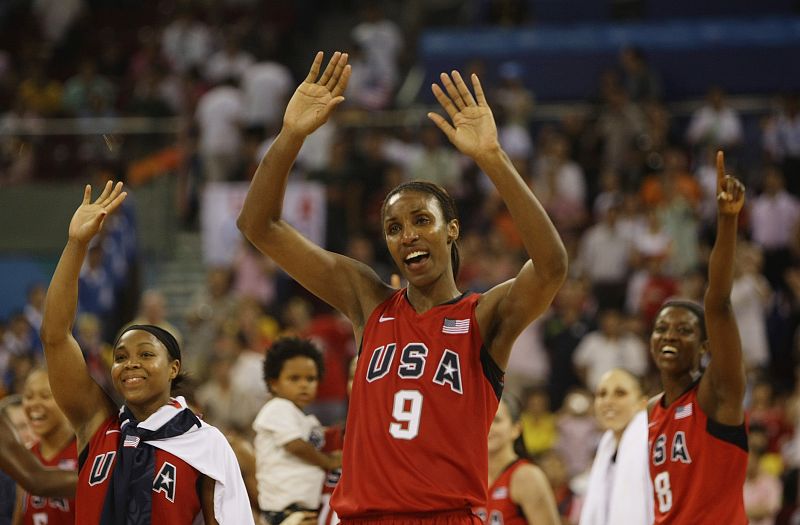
(151, 460)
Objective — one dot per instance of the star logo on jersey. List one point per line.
(449, 369)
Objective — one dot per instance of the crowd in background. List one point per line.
(630, 189)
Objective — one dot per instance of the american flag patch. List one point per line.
(131, 441)
(455, 326)
(683, 411)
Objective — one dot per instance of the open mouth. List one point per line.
(130, 381)
(416, 258)
(669, 350)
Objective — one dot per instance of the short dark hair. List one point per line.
(691, 306)
(445, 201)
(285, 348)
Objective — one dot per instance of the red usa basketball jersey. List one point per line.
(334, 437)
(424, 395)
(697, 465)
(500, 508)
(38, 510)
(175, 484)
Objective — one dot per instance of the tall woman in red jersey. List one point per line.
(430, 372)
(55, 448)
(519, 493)
(151, 460)
(697, 435)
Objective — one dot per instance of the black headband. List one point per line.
(166, 338)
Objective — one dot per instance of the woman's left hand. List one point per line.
(473, 130)
(730, 191)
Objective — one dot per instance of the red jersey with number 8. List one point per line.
(697, 465)
(39, 510)
(424, 396)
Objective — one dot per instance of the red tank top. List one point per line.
(334, 438)
(697, 465)
(424, 395)
(175, 495)
(38, 510)
(500, 508)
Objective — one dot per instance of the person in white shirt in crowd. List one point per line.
(267, 85)
(219, 115)
(561, 184)
(774, 217)
(230, 61)
(382, 41)
(607, 348)
(750, 298)
(187, 40)
(782, 141)
(604, 258)
(715, 124)
(290, 467)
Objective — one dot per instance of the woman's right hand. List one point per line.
(88, 218)
(315, 99)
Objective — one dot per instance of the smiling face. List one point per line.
(676, 342)
(143, 370)
(503, 430)
(43, 415)
(418, 236)
(617, 400)
(297, 381)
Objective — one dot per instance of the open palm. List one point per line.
(315, 98)
(88, 218)
(473, 130)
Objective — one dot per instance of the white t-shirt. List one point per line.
(283, 478)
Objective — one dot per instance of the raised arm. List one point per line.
(19, 463)
(722, 387)
(347, 285)
(507, 309)
(79, 397)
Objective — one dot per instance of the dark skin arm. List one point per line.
(79, 397)
(505, 310)
(19, 463)
(356, 289)
(721, 390)
(306, 451)
(207, 500)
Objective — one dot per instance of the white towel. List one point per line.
(207, 450)
(626, 498)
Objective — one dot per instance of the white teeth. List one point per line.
(415, 254)
(669, 350)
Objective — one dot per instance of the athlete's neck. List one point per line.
(439, 292)
(675, 386)
(499, 460)
(142, 411)
(54, 442)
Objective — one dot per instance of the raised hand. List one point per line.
(473, 130)
(314, 100)
(730, 191)
(88, 218)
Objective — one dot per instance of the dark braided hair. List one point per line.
(445, 201)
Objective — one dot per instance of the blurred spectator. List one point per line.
(603, 258)
(618, 125)
(254, 275)
(774, 215)
(750, 298)
(578, 432)
(267, 86)
(229, 62)
(209, 310)
(96, 292)
(34, 307)
(641, 82)
(220, 114)
(560, 185)
(565, 327)
(435, 161)
(153, 310)
(89, 94)
(98, 353)
(649, 288)
(369, 88)
(40, 94)
(219, 396)
(782, 141)
(568, 502)
(607, 348)
(538, 423)
(527, 365)
(186, 41)
(715, 125)
(762, 492)
(382, 41)
(56, 17)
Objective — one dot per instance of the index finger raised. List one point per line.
(720, 170)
